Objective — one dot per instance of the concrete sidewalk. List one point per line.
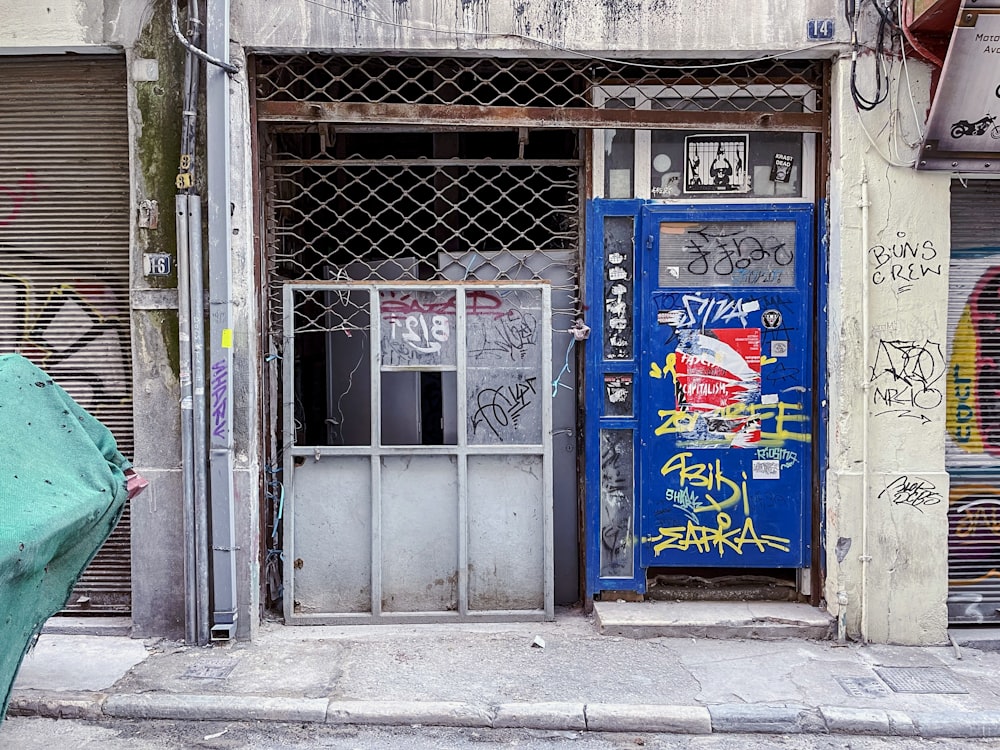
(499, 675)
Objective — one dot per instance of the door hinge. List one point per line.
(649, 242)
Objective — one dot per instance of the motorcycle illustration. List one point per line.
(979, 127)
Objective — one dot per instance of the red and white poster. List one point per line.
(717, 378)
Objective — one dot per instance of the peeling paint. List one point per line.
(843, 547)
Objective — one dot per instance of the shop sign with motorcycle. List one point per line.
(963, 132)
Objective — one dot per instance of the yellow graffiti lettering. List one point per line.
(780, 422)
(765, 360)
(783, 423)
(692, 537)
(668, 367)
(722, 537)
(708, 476)
(676, 421)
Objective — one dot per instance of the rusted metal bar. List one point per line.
(473, 116)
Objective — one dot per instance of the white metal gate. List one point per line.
(386, 522)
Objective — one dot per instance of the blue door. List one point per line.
(725, 310)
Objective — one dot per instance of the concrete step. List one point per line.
(701, 619)
(68, 625)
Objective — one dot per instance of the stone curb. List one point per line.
(753, 718)
(965, 724)
(216, 707)
(431, 713)
(555, 716)
(594, 717)
(57, 705)
(609, 717)
(870, 721)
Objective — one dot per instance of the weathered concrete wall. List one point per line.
(54, 23)
(59, 24)
(887, 489)
(158, 547)
(246, 360)
(647, 27)
(157, 116)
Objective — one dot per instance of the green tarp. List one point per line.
(62, 490)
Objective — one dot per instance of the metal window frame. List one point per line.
(643, 136)
(375, 451)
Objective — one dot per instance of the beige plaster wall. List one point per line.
(887, 489)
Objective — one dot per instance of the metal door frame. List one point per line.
(802, 215)
(598, 366)
(462, 451)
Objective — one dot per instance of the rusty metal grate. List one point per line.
(920, 680)
(210, 669)
(345, 212)
(863, 687)
(776, 85)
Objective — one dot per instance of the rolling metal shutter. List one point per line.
(973, 423)
(64, 255)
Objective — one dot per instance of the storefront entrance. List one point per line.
(701, 448)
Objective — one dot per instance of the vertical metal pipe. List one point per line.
(223, 521)
(288, 461)
(187, 431)
(187, 314)
(200, 483)
(191, 306)
(865, 558)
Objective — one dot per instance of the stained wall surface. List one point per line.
(886, 488)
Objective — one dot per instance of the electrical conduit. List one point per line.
(865, 558)
(224, 605)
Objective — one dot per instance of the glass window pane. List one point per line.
(503, 376)
(418, 328)
(774, 164)
(619, 155)
(619, 274)
(617, 506)
(727, 253)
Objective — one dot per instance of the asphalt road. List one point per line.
(30, 733)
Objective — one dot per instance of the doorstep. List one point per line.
(709, 619)
(68, 625)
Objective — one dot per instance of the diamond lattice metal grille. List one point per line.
(773, 86)
(421, 219)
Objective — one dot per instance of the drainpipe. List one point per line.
(224, 610)
(198, 376)
(190, 313)
(187, 428)
(865, 558)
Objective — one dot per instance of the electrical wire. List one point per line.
(909, 84)
(889, 29)
(885, 39)
(194, 49)
(337, 418)
(885, 157)
(557, 384)
(568, 50)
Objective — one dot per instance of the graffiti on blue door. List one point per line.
(703, 426)
(725, 416)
